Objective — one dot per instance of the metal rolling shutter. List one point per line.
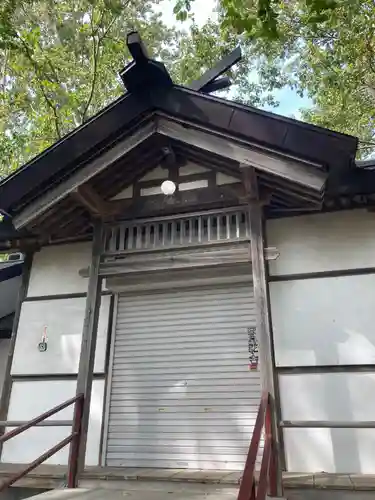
(182, 395)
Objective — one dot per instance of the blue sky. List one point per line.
(290, 102)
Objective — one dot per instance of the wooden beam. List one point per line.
(122, 173)
(221, 67)
(219, 84)
(90, 199)
(94, 203)
(136, 47)
(89, 337)
(290, 169)
(99, 164)
(261, 297)
(183, 201)
(259, 275)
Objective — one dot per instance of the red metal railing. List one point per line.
(267, 483)
(73, 438)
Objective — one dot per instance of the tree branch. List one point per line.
(3, 77)
(95, 56)
(96, 52)
(47, 99)
(109, 27)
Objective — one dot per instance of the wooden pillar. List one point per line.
(22, 293)
(89, 337)
(261, 297)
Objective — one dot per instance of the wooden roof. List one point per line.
(298, 164)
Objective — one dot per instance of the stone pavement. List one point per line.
(50, 477)
(291, 480)
(144, 491)
(322, 481)
(316, 494)
(174, 475)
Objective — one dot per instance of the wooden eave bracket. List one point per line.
(96, 206)
(250, 182)
(89, 199)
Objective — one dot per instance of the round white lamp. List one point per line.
(168, 188)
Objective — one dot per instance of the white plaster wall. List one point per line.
(155, 174)
(222, 179)
(324, 321)
(192, 168)
(31, 398)
(55, 270)
(323, 242)
(328, 396)
(125, 194)
(335, 397)
(64, 319)
(330, 450)
(188, 186)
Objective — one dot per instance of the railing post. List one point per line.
(272, 470)
(247, 486)
(73, 439)
(74, 445)
(253, 495)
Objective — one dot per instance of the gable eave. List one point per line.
(285, 135)
(74, 149)
(293, 171)
(314, 152)
(289, 136)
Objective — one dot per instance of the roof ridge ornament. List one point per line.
(143, 72)
(146, 73)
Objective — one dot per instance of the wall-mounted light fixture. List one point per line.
(168, 187)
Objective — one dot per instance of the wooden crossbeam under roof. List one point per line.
(300, 173)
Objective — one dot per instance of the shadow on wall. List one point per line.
(326, 322)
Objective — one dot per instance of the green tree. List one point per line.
(330, 57)
(260, 18)
(321, 48)
(331, 60)
(201, 49)
(59, 64)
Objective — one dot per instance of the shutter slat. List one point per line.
(182, 395)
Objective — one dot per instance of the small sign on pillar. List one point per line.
(42, 346)
(253, 349)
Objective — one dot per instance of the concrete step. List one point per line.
(161, 491)
(190, 493)
(135, 482)
(156, 490)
